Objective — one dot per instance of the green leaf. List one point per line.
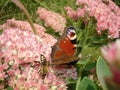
(10, 88)
(1, 30)
(99, 39)
(86, 84)
(89, 66)
(71, 86)
(102, 72)
(82, 62)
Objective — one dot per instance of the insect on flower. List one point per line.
(63, 52)
(65, 49)
(44, 65)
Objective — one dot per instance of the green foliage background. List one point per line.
(88, 39)
(9, 10)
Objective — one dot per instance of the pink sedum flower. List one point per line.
(53, 19)
(66, 71)
(21, 62)
(25, 26)
(80, 12)
(106, 14)
(22, 25)
(71, 13)
(23, 46)
(1, 87)
(25, 79)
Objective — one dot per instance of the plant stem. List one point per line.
(20, 5)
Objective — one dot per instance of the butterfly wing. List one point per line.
(64, 50)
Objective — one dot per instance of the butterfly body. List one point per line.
(65, 49)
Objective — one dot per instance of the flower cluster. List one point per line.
(56, 21)
(21, 61)
(16, 44)
(25, 78)
(80, 12)
(25, 26)
(65, 71)
(106, 13)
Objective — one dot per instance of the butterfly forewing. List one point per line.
(65, 49)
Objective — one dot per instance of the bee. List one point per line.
(44, 66)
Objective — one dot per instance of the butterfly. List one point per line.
(64, 51)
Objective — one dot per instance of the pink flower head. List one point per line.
(25, 26)
(71, 13)
(107, 15)
(111, 53)
(53, 19)
(23, 46)
(21, 62)
(75, 14)
(80, 12)
(26, 78)
(66, 71)
(1, 87)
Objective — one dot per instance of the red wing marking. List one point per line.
(67, 47)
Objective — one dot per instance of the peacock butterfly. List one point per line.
(65, 49)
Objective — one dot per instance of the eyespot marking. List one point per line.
(71, 34)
